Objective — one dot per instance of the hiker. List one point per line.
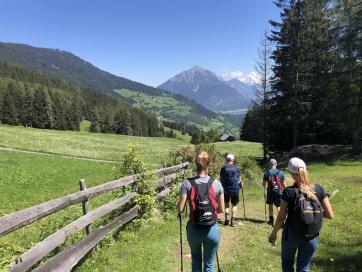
(231, 182)
(276, 183)
(205, 196)
(304, 204)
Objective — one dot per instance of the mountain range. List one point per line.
(74, 69)
(210, 90)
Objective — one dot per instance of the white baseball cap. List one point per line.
(294, 164)
(230, 157)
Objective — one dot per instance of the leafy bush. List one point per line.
(131, 162)
(250, 170)
(217, 159)
(176, 156)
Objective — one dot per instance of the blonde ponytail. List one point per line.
(202, 161)
(305, 184)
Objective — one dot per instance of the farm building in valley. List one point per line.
(227, 138)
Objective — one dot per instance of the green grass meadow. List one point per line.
(84, 144)
(30, 179)
(245, 248)
(103, 146)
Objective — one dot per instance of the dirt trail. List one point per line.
(10, 149)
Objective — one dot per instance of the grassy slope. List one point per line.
(27, 180)
(172, 109)
(84, 144)
(245, 248)
(104, 146)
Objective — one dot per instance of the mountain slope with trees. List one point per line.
(30, 98)
(74, 69)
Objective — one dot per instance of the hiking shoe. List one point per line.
(226, 222)
(233, 222)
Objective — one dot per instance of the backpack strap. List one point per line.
(209, 183)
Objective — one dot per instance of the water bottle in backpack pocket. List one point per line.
(203, 204)
(276, 184)
(308, 215)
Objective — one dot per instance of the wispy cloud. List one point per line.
(249, 78)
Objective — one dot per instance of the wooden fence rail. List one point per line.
(44, 247)
(69, 257)
(14, 221)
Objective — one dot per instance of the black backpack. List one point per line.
(203, 205)
(308, 215)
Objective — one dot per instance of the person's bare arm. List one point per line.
(327, 207)
(221, 203)
(181, 203)
(279, 222)
(264, 183)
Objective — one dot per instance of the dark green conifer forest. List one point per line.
(33, 99)
(315, 94)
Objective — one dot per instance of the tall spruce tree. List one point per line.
(348, 45)
(262, 87)
(300, 72)
(9, 111)
(41, 107)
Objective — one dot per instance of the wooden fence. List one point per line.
(69, 257)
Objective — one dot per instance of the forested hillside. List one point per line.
(33, 99)
(67, 66)
(174, 110)
(315, 95)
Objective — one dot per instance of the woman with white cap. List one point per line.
(304, 205)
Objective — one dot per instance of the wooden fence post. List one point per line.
(134, 185)
(85, 206)
(183, 171)
(164, 176)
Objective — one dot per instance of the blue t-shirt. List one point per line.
(273, 172)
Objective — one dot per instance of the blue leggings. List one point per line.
(208, 239)
(294, 242)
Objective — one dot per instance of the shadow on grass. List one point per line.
(251, 220)
(339, 262)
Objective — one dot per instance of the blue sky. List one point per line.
(144, 40)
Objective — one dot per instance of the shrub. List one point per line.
(217, 160)
(131, 162)
(176, 156)
(250, 170)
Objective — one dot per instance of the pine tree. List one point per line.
(348, 43)
(41, 107)
(9, 112)
(302, 64)
(264, 72)
(28, 109)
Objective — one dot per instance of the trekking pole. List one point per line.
(218, 263)
(264, 203)
(182, 263)
(242, 191)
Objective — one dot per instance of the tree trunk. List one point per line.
(357, 130)
(295, 134)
